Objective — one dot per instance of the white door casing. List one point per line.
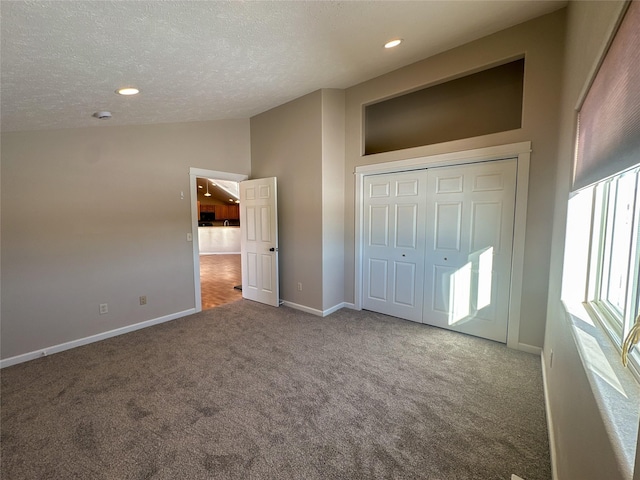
(259, 240)
(470, 212)
(394, 226)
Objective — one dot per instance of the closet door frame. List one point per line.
(522, 153)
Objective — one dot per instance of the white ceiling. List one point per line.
(61, 61)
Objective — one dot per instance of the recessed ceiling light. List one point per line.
(393, 43)
(127, 91)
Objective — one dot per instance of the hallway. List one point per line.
(218, 275)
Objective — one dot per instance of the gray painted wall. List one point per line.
(333, 240)
(93, 216)
(583, 447)
(541, 41)
(286, 142)
(302, 143)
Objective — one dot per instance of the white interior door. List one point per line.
(470, 215)
(394, 224)
(259, 240)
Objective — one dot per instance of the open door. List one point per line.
(259, 240)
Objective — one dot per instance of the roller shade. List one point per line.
(609, 120)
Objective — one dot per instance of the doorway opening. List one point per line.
(216, 237)
(219, 241)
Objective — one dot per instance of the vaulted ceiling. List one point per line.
(222, 191)
(61, 61)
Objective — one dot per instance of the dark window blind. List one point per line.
(609, 120)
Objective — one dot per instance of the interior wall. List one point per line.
(485, 102)
(95, 215)
(286, 142)
(583, 447)
(332, 198)
(540, 41)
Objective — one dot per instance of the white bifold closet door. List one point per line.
(470, 214)
(438, 246)
(394, 224)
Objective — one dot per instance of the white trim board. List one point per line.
(498, 152)
(214, 174)
(43, 352)
(523, 347)
(315, 311)
(550, 424)
(522, 153)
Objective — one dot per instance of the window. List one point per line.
(605, 206)
(613, 278)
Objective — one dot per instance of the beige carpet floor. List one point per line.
(246, 391)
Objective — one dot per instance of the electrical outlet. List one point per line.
(104, 308)
(143, 300)
(299, 286)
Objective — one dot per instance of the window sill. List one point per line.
(615, 389)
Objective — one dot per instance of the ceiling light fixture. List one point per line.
(127, 91)
(102, 115)
(207, 194)
(393, 43)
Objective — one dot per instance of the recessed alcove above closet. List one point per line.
(480, 103)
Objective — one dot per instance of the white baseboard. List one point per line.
(315, 311)
(552, 438)
(523, 347)
(333, 309)
(302, 308)
(43, 352)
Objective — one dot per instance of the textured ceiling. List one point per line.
(62, 60)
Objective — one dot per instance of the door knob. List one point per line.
(272, 249)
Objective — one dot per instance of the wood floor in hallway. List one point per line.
(218, 275)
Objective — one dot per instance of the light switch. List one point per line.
(189, 237)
